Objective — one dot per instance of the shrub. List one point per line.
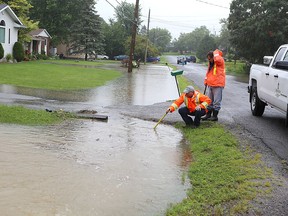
(1, 51)
(18, 52)
(8, 57)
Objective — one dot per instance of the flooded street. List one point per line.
(141, 87)
(85, 167)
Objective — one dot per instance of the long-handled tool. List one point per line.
(160, 120)
(205, 89)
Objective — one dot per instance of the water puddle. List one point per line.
(85, 167)
(137, 88)
(122, 167)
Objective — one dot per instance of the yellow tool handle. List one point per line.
(160, 120)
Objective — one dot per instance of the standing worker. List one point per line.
(215, 80)
(196, 105)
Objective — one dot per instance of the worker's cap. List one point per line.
(189, 89)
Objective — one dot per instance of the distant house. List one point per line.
(66, 51)
(9, 27)
(40, 42)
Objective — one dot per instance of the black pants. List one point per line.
(185, 114)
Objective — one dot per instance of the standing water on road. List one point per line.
(84, 167)
(142, 87)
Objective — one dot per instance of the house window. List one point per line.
(2, 31)
(9, 37)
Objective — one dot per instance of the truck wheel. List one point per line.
(257, 106)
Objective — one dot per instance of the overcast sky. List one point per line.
(177, 16)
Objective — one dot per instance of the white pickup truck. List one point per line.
(268, 83)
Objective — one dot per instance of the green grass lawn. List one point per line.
(44, 75)
(23, 116)
(237, 68)
(224, 178)
(79, 62)
(60, 76)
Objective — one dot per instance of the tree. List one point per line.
(190, 41)
(206, 44)
(56, 16)
(258, 27)
(86, 35)
(114, 38)
(124, 14)
(223, 40)
(117, 30)
(140, 47)
(160, 37)
(196, 36)
(180, 43)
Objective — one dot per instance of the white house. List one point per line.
(9, 26)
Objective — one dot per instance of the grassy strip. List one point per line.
(236, 69)
(224, 179)
(24, 116)
(39, 74)
(80, 62)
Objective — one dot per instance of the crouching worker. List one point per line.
(195, 105)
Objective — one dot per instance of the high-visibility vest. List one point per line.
(216, 75)
(191, 103)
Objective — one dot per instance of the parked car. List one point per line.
(181, 60)
(191, 59)
(103, 57)
(121, 57)
(153, 59)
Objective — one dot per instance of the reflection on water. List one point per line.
(74, 96)
(141, 87)
(121, 167)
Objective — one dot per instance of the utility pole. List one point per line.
(133, 38)
(147, 39)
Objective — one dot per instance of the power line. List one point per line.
(212, 4)
(123, 12)
(110, 4)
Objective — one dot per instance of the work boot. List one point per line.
(214, 117)
(207, 116)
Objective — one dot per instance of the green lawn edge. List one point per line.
(224, 177)
(24, 116)
(60, 76)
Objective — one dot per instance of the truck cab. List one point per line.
(268, 83)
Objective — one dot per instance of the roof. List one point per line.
(39, 33)
(2, 6)
(6, 7)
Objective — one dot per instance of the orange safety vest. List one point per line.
(216, 76)
(191, 103)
